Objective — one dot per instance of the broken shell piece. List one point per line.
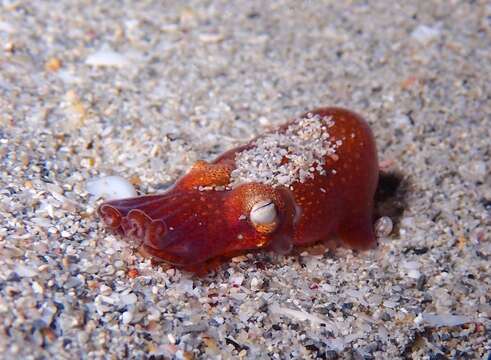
(111, 188)
(383, 226)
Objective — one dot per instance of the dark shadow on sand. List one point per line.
(390, 198)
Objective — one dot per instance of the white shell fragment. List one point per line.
(383, 226)
(425, 34)
(276, 309)
(107, 57)
(111, 188)
(439, 320)
(263, 212)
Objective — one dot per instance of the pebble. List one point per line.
(72, 283)
(414, 274)
(127, 317)
(107, 57)
(171, 338)
(383, 226)
(25, 271)
(439, 320)
(425, 34)
(128, 299)
(237, 279)
(37, 287)
(474, 171)
(111, 188)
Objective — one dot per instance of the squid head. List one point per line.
(200, 218)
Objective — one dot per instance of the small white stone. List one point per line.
(153, 314)
(107, 57)
(37, 288)
(264, 121)
(111, 188)
(237, 280)
(7, 27)
(474, 171)
(128, 299)
(383, 226)
(414, 274)
(439, 320)
(411, 265)
(390, 304)
(24, 271)
(220, 320)
(254, 283)
(418, 320)
(425, 34)
(211, 38)
(127, 317)
(172, 338)
(105, 290)
(283, 179)
(401, 121)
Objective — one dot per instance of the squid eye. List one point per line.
(264, 216)
(263, 212)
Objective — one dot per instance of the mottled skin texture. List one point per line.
(195, 229)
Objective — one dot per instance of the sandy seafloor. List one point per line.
(143, 89)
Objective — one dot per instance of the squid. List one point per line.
(310, 180)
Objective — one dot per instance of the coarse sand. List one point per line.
(142, 89)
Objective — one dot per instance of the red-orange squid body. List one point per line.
(309, 180)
